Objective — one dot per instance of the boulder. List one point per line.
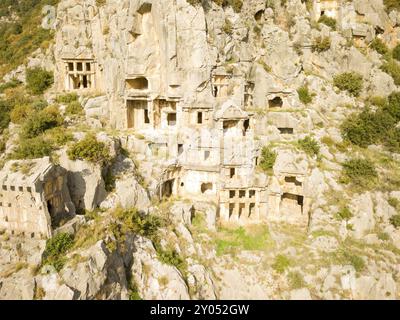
(154, 279)
(85, 182)
(96, 273)
(300, 294)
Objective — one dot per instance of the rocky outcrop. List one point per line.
(156, 280)
(85, 182)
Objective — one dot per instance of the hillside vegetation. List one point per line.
(21, 32)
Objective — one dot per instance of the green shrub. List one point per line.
(392, 68)
(5, 108)
(109, 180)
(2, 144)
(378, 101)
(396, 52)
(89, 149)
(227, 27)
(268, 158)
(38, 80)
(379, 46)
(41, 121)
(384, 236)
(10, 84)
(345, 214)
(359, 172)
(391, 5)
(194, 2)
(32, 148)
(59, 136)
(21, 113)
(367, 128)
(321, 44)
(55, 251)
(236, 5)
(304, 95)
(330, 22)
(132, 220)
(281, 263)
(39, 105)
(357, 262)
(74, 108)
(296, 280)
(24, 35)
(67, 98)
(394, 202)
(134, 292)
(375, 127)
(395, 220)
(392, 140)
(393, 105)
(172, 258)
(350, 82)
(309, 146)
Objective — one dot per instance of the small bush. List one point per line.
(384, 236)
(59, 136)
(367, 128)
(67, 98)
(330, 22)
(172, 258)
(296, 280)
(268, 158)
(379, 46)
(394, 202)
(134, 292)
(281, 264)
(55, 251)
(5, 108)
(393, 106)
(2, 145)
(8, 85)
(321, 44)
(395, 220)
(378, 101)
(396, 52)
(392, 68)
(345, 213)
(41, 121)
(304, 95)
(89, 149)
(144, 225)
(38, 80)
(359, 172)
(236, 5)
(32, 148)
(21, 113)
(227, 27)
(309, 146)
(357, 262)
(391, 5)
(74, 108)
(392, 140)
(350, 82)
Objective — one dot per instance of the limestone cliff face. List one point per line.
(164, 41)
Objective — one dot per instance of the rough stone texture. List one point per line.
(85, 182)
(155, 279)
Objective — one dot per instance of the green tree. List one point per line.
(38, 80)
(268, 158)
(89, 149)
(349, 81)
